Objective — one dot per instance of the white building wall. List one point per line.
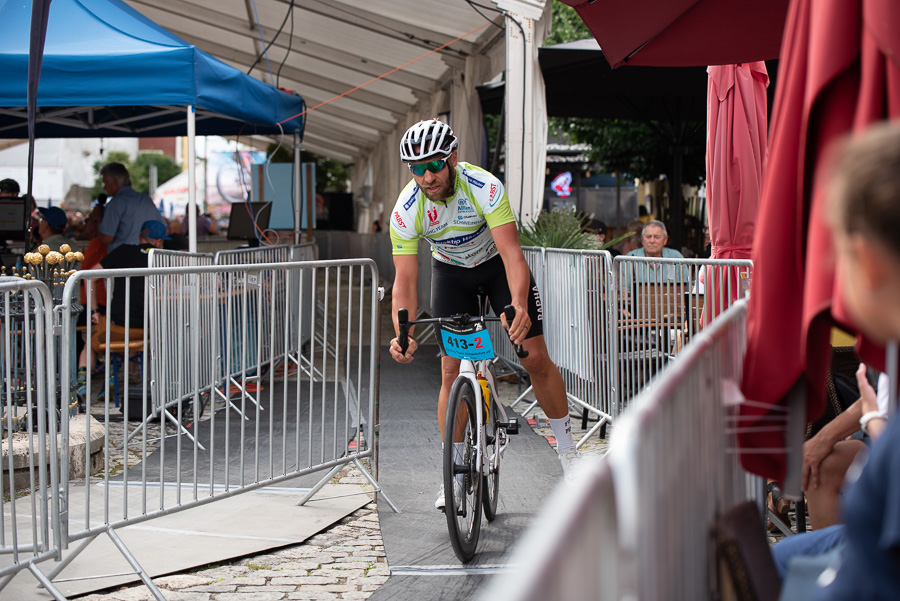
(63, 167)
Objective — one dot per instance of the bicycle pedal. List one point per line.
(512, 426)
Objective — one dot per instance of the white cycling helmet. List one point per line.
(427, 139)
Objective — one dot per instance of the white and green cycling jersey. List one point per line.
(458, 231)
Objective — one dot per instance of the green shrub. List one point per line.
(559, 229)
(564, 229)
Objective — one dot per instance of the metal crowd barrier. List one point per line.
(247, 418)
(661, 304)
(29, 483)
(612, 326)
(577, 318)
(620, 526)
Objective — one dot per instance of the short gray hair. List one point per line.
(656, 223)
(118, 172)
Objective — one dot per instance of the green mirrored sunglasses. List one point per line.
(435, 166)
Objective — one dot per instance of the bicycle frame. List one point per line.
(468, 369)
(474, 358)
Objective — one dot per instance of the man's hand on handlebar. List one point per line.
(520, 325)
(398, 356)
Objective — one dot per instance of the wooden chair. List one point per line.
(119, 354)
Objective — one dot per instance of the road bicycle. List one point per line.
(471, 471)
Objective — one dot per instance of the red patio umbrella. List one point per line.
(736, 152)
(684, 33)
(838, 74)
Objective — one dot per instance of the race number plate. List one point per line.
(473, 346)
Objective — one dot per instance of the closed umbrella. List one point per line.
(838, 74)
(735, 163)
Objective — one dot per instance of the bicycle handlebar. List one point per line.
(404, 323)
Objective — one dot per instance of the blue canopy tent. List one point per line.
(108, 71)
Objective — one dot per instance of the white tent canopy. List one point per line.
(326, 48)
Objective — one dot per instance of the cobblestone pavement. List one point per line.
(345, 561)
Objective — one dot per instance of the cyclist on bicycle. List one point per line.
(464, 213)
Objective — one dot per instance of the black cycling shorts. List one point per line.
(455, 290)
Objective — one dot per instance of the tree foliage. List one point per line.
(567, 26)
(640, 149)
(139, 169)
(166, 169)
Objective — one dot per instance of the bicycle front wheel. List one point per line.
(491, 468)
(462, 481)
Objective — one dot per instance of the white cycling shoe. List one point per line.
(571, 461)
(441, 503)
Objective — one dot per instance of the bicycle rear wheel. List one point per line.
(462, 482)
(491, 473)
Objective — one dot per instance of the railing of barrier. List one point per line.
(159, 257)
(649, 543)
(29, 483)
(214, 244)
(209, 430)
(651, 455)
(660, 304)
(570, 552)
(611, 326)
(260, 254)
(577, 318)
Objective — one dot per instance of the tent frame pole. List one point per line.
(297, 188)
(192, 178)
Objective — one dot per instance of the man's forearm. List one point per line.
(402, 297)
(519, 278)
(842, 426)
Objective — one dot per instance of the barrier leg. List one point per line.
(45, 582)
(145, 578)
(597, 426)
(365, 472)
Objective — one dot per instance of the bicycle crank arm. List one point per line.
(511, 427)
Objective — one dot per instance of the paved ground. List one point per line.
(347, 561)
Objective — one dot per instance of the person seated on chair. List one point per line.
(51, 227)
(653, 240)
(632, 242)
(127, 256)
(93, 254)
(824, 474)
(828, 455)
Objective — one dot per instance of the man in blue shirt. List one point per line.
(126, 210)
(653, 240)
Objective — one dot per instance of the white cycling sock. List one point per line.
(562, 430)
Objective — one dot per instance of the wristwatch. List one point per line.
(867, 417)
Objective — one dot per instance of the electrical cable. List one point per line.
(287, 52)
(475, 6)
(265, 48)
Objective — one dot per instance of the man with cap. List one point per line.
(152, 233)
(51, 227)
(126, 209)
(598, 229)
